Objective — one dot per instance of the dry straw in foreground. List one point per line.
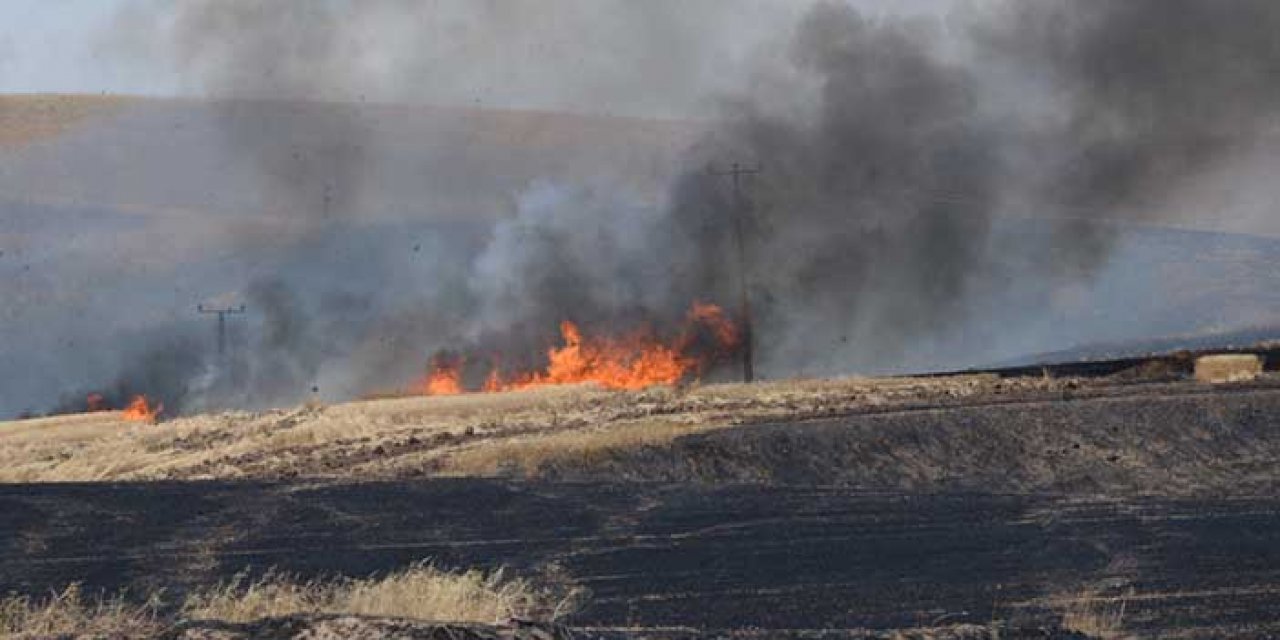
(420, 592)
(70, 613)
(1096, 616)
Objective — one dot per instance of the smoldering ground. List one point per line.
(929, 184)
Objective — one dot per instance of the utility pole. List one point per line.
(737, 172)
(222, 313)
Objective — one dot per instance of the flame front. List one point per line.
(140, 410)
(634, 361)
(444, 378)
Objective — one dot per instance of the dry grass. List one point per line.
(420, 592)
(478, 434)
(70, 613)
(1095, 616)
(527, 454)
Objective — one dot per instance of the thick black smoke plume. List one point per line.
(887, 209)
(926, 183)
(1150, 92)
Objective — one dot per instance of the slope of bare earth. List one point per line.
(63, 151)
(978, 433)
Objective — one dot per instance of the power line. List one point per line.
(222, 313)
(737, 172)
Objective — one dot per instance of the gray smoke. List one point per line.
(926, 182)
(1153, 91)
(312, 161)
(885, 214)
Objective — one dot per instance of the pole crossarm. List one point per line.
(221, 313)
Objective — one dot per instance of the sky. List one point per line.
(54, 47)
(132, 47)
(517, 54)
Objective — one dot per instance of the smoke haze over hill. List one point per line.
(938, 189)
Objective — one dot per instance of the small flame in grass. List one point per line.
(444, 378)
(494, 383)
(140, 410)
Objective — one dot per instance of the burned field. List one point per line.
(699, 558)
(963, 505)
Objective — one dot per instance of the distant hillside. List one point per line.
(1241, 339)
(29, 118)
(155, 156)
(119, 215)
(1168, 290)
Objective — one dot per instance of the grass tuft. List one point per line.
(419, 592)
(71, 613)
(1095, 616)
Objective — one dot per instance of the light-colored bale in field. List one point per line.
(1221, 369)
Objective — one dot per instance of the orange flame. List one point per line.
(140, 410)
(633, 362)
(727, 335)
(444, 378)
(494, 383)
(630, 362)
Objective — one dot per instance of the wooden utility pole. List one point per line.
(222, 313)
(737, 171)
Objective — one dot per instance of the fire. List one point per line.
(633, 361)
(444, 378)
(494, 383)
(728, 336)
(140, 410)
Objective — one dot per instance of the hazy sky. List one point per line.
(574, 55)
(517, 53)
(54, 47)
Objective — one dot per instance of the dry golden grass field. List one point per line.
(419, 592)
(481, 434)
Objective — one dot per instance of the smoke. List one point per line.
(885, 214)
(870, 217)
(927, 184)
(590, 249)
(1154, 91)
(313, 162)
(168, 366)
